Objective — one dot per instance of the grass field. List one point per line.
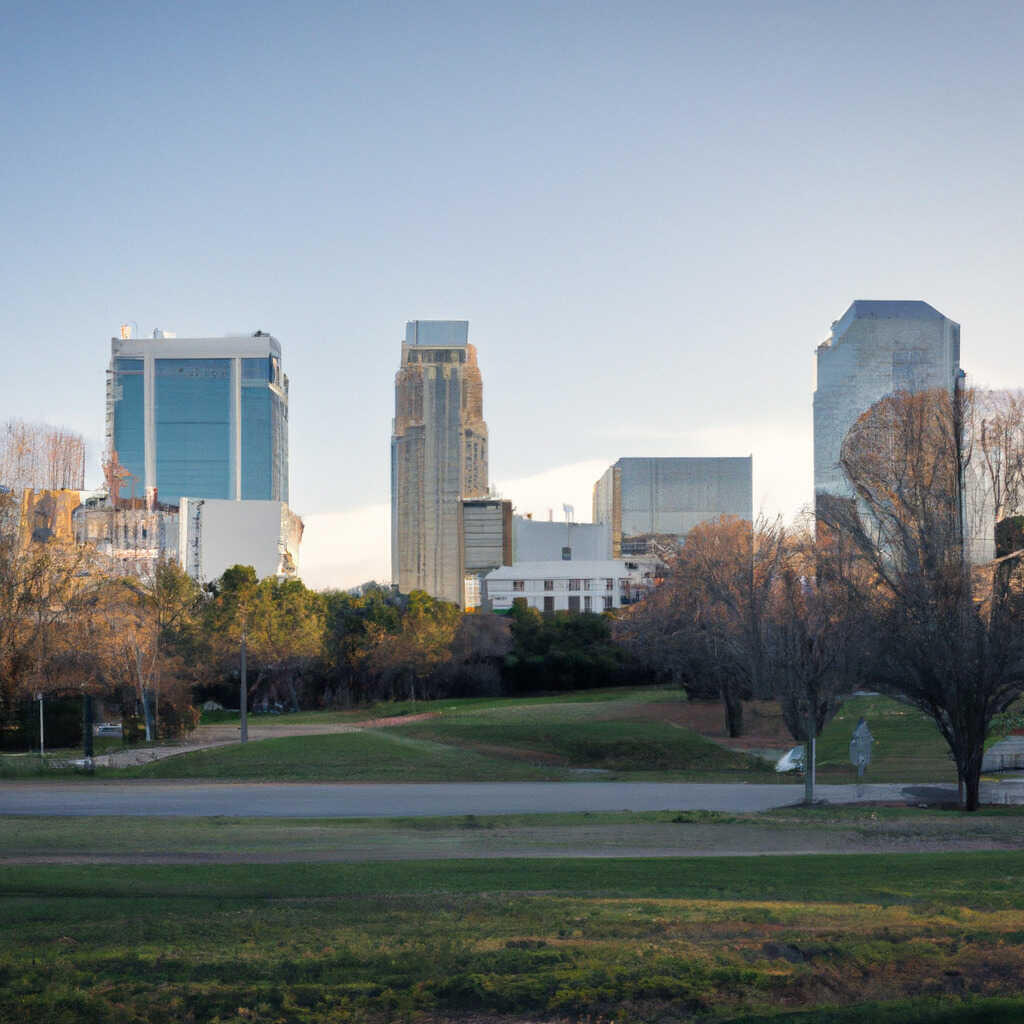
(907, 748)
(372, 756)
(914, 937)
(788, 830)
(611, 734)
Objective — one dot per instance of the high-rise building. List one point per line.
(438, 456)
(198, 417)
(876, 349)
(650, 501)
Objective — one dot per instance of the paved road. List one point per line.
(378, 800)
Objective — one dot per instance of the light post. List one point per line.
(42, 752)
(243, 694)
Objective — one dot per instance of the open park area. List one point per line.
(486, 861)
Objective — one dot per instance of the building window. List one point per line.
(607, 602)
(574, 604)
(549, 604)
(566, 554)
(517, 585)
(609, 584)
(588, 603)
(574, 584)
(586, 584)
(549, 584)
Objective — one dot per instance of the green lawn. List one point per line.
(372, 756)
(893, 938)
(618, 745)
(907, 748)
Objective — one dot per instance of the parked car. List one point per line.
(791, 761)
(108, 729)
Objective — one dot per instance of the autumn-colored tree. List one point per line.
(150, 628)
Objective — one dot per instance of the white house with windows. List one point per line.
(565, 586)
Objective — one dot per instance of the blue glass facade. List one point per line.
(193, 428)
(204, 427)
(130, 421)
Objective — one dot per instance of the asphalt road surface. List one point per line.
(380, 800)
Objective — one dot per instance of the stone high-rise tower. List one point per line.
(438, 456)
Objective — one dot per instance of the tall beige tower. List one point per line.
(438, 456)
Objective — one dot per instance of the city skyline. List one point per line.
(651, 217)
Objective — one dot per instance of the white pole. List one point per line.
(41, 751)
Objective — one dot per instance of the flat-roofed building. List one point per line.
(648, 503)
(597, 586)
(486, 544)
(203, 417)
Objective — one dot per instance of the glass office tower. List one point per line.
(199, 417)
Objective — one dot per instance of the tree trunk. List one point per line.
(147, 711)
(733, 711)
(972, 786)
(87, 725)
(291, 691)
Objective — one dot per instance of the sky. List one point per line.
(650, 213)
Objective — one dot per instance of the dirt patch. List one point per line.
(763, 726)
(632, 840)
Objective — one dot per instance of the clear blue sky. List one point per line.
(650, 213)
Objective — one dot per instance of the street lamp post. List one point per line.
(243, 693)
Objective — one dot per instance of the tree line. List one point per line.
(151, 651)
(884, 588)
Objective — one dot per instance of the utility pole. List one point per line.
(243, 689)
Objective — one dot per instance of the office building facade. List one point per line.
(876, 349)
(653, 503)
(438, 457)
(198, 417)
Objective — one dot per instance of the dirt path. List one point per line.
(360, 843)
(207, 736)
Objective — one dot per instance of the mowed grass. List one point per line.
(487, 740)
(372, 756)
(565, 736)
(907, 748)
(624, 940)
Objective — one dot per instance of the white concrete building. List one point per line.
(564, 586)
(214, 535)
(534, 540)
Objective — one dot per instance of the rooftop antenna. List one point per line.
(570, 513)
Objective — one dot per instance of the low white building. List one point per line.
(214, 535)
(534, 540)
(564, 586)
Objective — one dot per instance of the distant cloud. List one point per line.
(346, 548)
(551, 488)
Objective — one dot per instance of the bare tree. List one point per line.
(705, 624)
(41, 457)
(811, 628)
(947, 635)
